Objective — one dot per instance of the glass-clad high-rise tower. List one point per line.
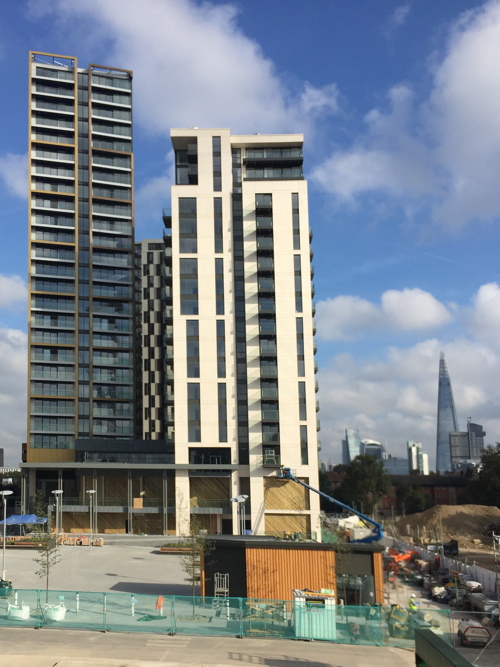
(446, 418)
(81, 256)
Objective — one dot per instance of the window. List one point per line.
(216, 159)
(194, 416)
(193, 349)
(189, 286)
(219, 286)
(302, 401)
(295, 221)
(221, 349)
(218, 224)
(304, 454)
(298, 283)
(187, 225)
(301, 370)
(221, 392)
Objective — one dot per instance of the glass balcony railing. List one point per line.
(269, 393)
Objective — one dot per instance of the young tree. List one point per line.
(193, 562)
(48, 556)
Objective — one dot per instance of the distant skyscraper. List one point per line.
(418, 459)
(476, 439)
(351, 446)
(466, 446)
(446, 418)
(373, 448)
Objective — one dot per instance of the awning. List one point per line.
(21, 519)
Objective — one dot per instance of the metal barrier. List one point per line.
(243, 617)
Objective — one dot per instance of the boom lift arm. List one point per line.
(375, 527)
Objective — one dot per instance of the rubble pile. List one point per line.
(468, 524)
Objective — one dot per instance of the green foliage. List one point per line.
(485, 490)
(364, 484)
(412, 498)
(48, 556)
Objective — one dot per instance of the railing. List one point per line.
(242, 617)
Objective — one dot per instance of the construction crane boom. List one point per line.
(375, 527)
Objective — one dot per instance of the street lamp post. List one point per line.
(58, 494)
(91, 513)
(241, 499)
(4, 495)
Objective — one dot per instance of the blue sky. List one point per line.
(399, 105)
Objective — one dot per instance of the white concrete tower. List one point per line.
(243, 334)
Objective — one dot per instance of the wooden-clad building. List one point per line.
(270, 568)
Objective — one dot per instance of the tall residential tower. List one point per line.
(243, 348)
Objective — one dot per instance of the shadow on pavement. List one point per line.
(159, 588)
(285, 661)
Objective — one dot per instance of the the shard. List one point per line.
(446, 418)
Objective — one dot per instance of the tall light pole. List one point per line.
(58, 494)
(4, 495)
(91, 513)
(241, 499)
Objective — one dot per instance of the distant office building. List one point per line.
(396, 465)
(476, 435)
(446, 418)
(466, 446)
(2, 458)
(373, 448)
(418, 459)
(351, 446)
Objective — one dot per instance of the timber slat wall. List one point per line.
(378, 577)
(272, 574)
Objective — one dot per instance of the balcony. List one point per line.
(269, 371)
(270, 459)
(270, 438)
(267, 327)
(270, 416)
(265, 284)
(264, 223)
(268, 350)
(265, 243)
(265, 264)
(269, 393)
(267, 306)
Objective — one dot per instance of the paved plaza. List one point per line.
(132, 567)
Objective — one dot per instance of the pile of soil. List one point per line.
(466, 523)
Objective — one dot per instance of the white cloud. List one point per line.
(443, 154)
(484, 315)
(14, 173)
(194, 66)
(351, 317)
(13, 291)
(393, 398)
(13, 372)
(413, 309)
(400, 14)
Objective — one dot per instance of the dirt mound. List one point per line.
(464, 523)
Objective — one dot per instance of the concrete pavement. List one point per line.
(22, 647)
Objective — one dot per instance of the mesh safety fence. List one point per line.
(216, 616)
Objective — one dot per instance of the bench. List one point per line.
(175, 550)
